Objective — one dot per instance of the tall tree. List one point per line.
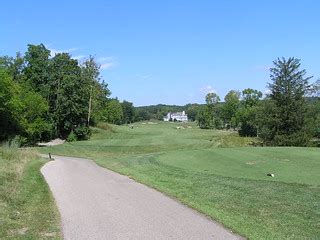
(246, 115)
(207, 116)
(230, 108)
(10, 106)
(286, 108)
(37, 70)
(113, 112)
(128, 111)
(71, 94)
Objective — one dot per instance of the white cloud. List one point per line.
(106, 65)
(53, 51)
(106, 62)
(208, 89)
(78, 57)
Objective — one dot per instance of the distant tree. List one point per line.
(206, 115)
(142, 114)
(250, 97)
(192, 111)
(212, 99)
(246, 115)
(283, 118)
(128, 111)
(113, 112)
(205, 119)
(315, 89)
(230, 108)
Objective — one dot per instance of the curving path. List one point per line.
(96, 203)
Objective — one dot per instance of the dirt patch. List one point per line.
(53, 142)
(251, 162)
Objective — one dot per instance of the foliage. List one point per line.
(230, 108)
(34, 123)
(208, 116)
(128, 112)
(283, 117)
(113, 112)
(43, 97)
(22, 111)
(72, 137)
(10, 106)
(247, 113)
(82, 132)
(98, 91)
(142, 114)
(37, 71)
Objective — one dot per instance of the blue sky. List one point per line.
(170, 51)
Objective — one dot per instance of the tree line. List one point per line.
(43, 97)
(288, 115)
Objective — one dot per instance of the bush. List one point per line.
(82, 133)
(72, 137)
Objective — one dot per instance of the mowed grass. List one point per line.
(217, 173)
(27, 209)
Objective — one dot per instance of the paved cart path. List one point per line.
(96, 203)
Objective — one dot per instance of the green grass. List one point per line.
(27, 209)
(217, 173)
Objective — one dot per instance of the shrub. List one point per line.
(82, 133)
(72, 137)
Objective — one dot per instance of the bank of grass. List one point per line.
(217, 173)
(27, 208)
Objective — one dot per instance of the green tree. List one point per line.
(192, 111)
(283, 118)
(113, 112)
(246, 115)
(10, 106)
(71, 95)
(207, 116)
(128, 111)
(98, 91)
(37, 70)
(142, 114)
(14, 66)
(34, 122)
(230, 108)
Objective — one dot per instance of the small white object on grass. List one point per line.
(270, 174)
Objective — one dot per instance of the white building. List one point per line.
(177, 116)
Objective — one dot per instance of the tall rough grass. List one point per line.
(13, 162)
(27, 210)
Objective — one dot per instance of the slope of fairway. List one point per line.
(291, 165)
(217, 173)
